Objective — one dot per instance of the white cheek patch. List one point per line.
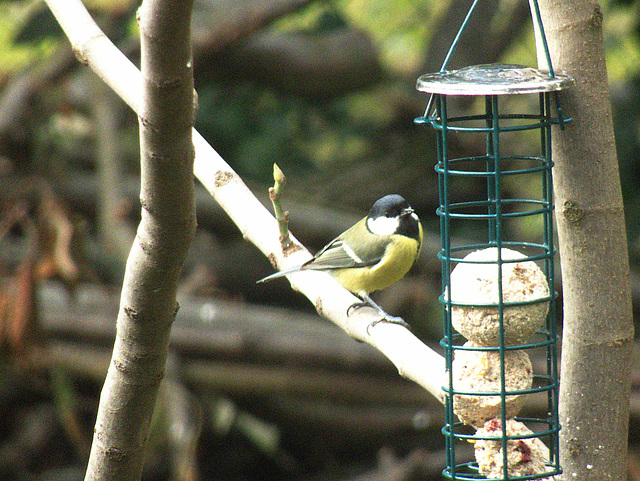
(383, 225)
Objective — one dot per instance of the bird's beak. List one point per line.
(407, 211)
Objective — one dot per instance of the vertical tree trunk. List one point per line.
(148, 302)
(598, 327)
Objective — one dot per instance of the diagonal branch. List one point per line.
(413, 359)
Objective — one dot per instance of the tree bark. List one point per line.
(148, 302)
(598, 327)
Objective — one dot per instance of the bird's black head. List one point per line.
(389, 206)
(392, 214)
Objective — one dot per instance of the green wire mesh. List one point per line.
(508, 447)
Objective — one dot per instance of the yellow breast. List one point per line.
(399, 257)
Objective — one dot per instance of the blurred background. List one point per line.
(258, 386)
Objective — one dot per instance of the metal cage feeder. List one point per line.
(498, 292)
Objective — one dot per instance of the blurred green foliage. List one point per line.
(20, 47)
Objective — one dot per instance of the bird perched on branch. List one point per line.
(373, 254)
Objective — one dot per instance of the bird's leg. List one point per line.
(357, 305)
(367, 301)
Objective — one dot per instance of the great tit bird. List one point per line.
(373, 254)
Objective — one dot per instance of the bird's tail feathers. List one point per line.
(279, 274)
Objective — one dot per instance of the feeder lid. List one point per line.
(492, 79)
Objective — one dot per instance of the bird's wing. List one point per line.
(354, 248)
(335, 255)
(338, 255)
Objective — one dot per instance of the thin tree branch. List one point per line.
(413, 359)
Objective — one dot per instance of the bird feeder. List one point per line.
(497, 256)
